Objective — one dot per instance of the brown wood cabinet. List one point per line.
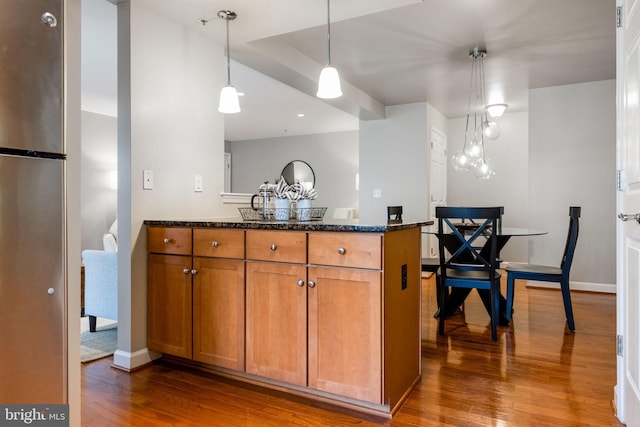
(196, 300)
(345, 338)
(331, 315)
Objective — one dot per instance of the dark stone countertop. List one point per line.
(325, 225)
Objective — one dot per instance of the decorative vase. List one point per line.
(282, 209)
(304, 209)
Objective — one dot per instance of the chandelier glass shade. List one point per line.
(479, 128)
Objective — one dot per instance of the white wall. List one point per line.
(572, 148)
(99, 158)
(394, 158)
(169, 78)
(507, 188)
(333, 157)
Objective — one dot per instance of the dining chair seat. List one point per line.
(534, 269)
(430, 265)
(544, 273)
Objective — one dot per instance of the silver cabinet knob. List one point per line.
(215, 244)
(186, 271)
(342, 251)
(50, 291)
(311, 284)
(48, 20)
(166, 240)
(273, 247)
(301, 283)
(194, 272)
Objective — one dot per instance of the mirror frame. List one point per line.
(292, 164)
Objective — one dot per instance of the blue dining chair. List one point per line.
(466, 267)
(544, 273)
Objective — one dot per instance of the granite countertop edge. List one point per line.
(287, 225)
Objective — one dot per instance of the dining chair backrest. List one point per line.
(467, 256)
(394, 214)
(572, 239)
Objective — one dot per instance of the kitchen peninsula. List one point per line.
(325, 310)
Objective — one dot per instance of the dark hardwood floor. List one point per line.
(537, 374)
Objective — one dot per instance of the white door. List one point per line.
(627, 392)
(437, 181)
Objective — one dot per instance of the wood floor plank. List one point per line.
(537, 374)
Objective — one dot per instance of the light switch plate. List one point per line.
(147, 180)
(198, 184)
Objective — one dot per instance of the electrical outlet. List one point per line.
(147, 180)
(198, 184)
(377, 193)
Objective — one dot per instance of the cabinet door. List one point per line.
(218, 312)
(345, 339)
(169, 304)
(277, 321)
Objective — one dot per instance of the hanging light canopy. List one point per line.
(329, 81)
(229, 102)
(472, 155)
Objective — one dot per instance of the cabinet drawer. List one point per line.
(218, 243)
(169, 240)
(346, 249)
(280, 246)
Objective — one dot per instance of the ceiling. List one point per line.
(391, 52)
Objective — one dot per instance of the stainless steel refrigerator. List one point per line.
(33, 359)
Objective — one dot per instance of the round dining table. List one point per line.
(457, 295)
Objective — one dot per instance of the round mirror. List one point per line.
(299, 170)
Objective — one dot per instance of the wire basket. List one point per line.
(291, 214)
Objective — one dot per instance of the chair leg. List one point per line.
(441, 296)
(92, 323)
(495, 310)
(566, 297)
(510, 291)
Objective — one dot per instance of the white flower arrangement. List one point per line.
(298, 191)
(281, 191)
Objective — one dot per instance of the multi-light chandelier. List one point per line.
(479, 128)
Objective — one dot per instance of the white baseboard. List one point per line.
(608, 288)
(129, 361)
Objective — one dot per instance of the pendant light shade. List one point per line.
(496, 110)
(329, 81)
(229, 102)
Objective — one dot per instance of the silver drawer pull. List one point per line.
(167, 240)
(301, 283)
(311, 284)
(342, 251)
(273, 247)
(215, 244)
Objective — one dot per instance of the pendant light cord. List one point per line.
(328, 33)
(228, 54)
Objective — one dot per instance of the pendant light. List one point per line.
(229, 102)
(472, 155)
(329, 81)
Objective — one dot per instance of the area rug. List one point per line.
(101, 343)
